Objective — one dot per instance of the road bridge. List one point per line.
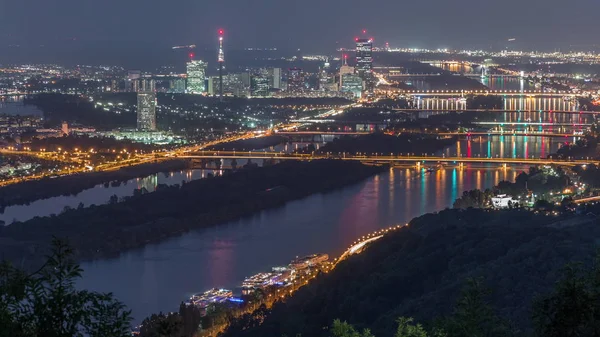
(532, 123)
(384, 158)
(525, 93)
(497, 110)
(395, 73)
(508, 133)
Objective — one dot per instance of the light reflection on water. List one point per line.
(97, 195)
(158, 276)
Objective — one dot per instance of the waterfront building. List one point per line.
(196, 77)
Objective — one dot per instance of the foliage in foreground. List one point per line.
(47, 304)
(571, 309)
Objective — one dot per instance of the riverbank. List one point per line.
(419, 272)
(107, 230)
(28, 191)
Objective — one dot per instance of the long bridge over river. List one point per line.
(383, 158)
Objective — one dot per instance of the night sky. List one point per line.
(313, 25)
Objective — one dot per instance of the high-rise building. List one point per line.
(213, 85)
(352, 83)
(259, 85)
(132, 80)
(177, 86)
(146, 106)
(196, 77)
(295, 80)
(233, 84)
(364, 56)
(275, 78)
(246, 78)
(345, 69)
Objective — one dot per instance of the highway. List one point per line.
(109, 166)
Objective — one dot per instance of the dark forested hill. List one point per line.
(419, 271)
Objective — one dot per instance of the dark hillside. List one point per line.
(419, 271)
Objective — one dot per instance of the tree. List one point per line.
(406, 329)
(343, 329)
(161, 325)
(472, 315)
(46, 303)
(573, 308)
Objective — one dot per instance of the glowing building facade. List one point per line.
(196, 77)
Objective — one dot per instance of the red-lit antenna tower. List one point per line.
(221, 60)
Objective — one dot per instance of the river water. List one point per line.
(97, 195)
(159, 276)
(13, 106)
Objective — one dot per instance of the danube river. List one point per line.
(159, 276)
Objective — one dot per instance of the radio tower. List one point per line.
(221, 59)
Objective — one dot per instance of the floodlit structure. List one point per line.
(146, 111)
(364, 56)
(259, 85)
(352, 83)
(295, 80)
(196, 77)
(502, 201)
(221, 60)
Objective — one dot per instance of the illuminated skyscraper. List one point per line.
(275, 78)
(295, 80)
(259, 85)
(345, 69)
(364, 56)
(146, 106)
(196, 77)
(352, 83)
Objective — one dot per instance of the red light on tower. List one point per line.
(356, 39)
(221, 32)
(191, 55)
(364, 31)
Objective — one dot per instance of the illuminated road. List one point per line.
(109, 166)
(359, 245)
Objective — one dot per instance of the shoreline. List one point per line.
(115, 228)
(30, 191)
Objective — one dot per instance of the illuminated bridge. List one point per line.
(381, 158)
(528, 93)
(458, 109)
(510, 133)
(523, 133)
